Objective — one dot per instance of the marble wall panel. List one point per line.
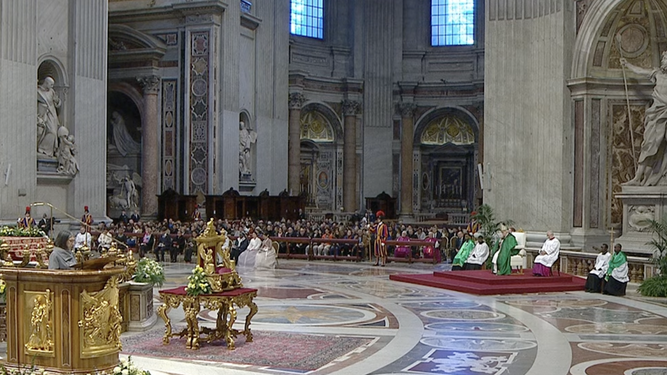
(17, 168)
(88, 188)
(528, 137)
(594, 162)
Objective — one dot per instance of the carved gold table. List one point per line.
(225, 302)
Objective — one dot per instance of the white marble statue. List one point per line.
(130, 192)
(67, 163)
(47, 118)
(122, 139)
(652, 163)
(246, 138)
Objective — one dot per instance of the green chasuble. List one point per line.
(616, 261)
(507, 250)
(463, 253)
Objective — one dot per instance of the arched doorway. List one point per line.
(123, 154)
(321, 158)
(446, 146)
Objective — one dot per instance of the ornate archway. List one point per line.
(446, 146)
(321, 157)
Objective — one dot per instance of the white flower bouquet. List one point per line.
(149, 271)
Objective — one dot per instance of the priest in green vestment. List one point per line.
(504, 253)
(464, 253)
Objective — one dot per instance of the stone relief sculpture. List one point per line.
(47, 118)
(652, 163)
(640, 217)
(122, 139)
(41, 331)
(246, 138)
(66, 152)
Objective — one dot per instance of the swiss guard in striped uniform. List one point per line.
(380, 238)
(87, 218)
(26, 221)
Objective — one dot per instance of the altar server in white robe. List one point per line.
(599, 271)
(548, 255)
(478, 255)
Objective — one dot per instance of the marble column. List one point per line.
(407, 111)
(296, 100)
(149, 145)
(350, 110)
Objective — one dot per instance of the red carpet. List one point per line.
(486, 283)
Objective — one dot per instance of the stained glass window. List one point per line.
(452, 22)
(306, 18)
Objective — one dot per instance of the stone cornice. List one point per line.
(181, 10)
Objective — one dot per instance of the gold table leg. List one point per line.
(191, 308)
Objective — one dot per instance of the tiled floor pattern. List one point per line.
(422, 330)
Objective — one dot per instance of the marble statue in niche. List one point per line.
(48, 124)
(124, 182)
(652, 162)
(247, 137)
(122, 138)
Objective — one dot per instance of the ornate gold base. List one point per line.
(226, 304)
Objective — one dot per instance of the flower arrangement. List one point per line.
(32, 370)
(127, 367)
(149, 271)
(198, 283)
(21, 232)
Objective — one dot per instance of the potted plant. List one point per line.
(656, 286)
(149, 271)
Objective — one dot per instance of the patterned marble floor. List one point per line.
(422, 330)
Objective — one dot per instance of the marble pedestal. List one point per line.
(641, 204)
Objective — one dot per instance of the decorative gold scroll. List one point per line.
(100, 321)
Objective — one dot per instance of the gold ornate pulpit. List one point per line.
(65, 322)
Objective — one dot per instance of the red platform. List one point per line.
(484, 282)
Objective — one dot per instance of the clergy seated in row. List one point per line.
(502, 255)
(463, 253)
(259, 253)
(402, 251)
(617, 273)
(478, 254)
(599, 271)
(548, 256)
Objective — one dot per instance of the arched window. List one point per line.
(314, 126)
(306, 18)
(452, 22)
(449, 129)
